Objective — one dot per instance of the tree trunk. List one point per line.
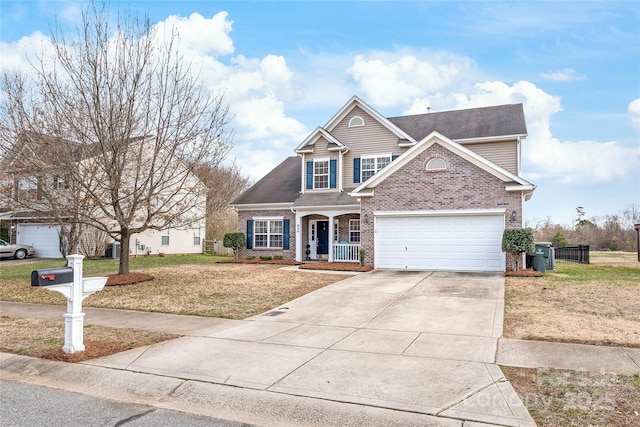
(125, 237)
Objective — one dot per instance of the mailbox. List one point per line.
(52, 276)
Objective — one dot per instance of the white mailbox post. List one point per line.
(75, 292)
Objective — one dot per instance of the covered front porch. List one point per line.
(328, 236)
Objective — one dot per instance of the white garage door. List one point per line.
(453, 243)
(43, 237)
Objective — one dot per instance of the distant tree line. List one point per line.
(614, 232)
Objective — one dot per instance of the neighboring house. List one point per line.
(431, 191)
(20, 190)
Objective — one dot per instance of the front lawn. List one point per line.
(190, 284)
(598, 303)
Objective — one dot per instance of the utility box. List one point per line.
(549, 252)
(52, 276)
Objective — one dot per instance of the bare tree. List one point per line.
(128, 121)
(224, 183)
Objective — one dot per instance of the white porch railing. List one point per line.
(346, 252)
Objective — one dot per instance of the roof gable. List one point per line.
(519, 184)
(355, 101)
(307, 145)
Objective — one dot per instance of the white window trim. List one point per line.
(376, 157)
(320, 160)
(351, 221)
(268, 233)
(164, 233)
(196, 234)
(356, 125)
(432, 169)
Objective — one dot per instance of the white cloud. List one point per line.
(204, 36)
(568, 161)
(563, 75)
(264, 120)
(634, 111)
(391, 79)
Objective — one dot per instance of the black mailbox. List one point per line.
(52, 276)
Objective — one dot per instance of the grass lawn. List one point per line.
(190, 284)
(598, 303)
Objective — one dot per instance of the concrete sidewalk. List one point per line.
(380, 348)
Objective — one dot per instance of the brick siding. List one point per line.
(462, 185)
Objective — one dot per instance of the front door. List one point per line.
(323, 237)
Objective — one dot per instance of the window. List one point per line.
(354, 231)
(164, 237)
(371, 165)
(59, 183)
(436, 164)
(196, 237)
(321, 174)
(268, 233)
(356, 121)
(27, 189)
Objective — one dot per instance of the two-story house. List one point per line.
(432, 191)
(36, 200)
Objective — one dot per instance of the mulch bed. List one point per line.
(330, 266)
(336, 266)
(93, 349)
(524, 273)
(259, 261)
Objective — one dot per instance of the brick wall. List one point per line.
(290, 253)
(461, 186)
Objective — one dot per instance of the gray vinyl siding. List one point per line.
(372, 138)
(320, 150)
(504, 154)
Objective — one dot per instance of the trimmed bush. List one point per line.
(516, 241)
(251, 257)
(265, 257)
(278, 257)
(234, 240)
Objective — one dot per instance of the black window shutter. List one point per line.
(356, 170)
(249, 234)
(309, 175)
(285, 234)
(332, 173)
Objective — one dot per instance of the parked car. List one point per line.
(17, 251)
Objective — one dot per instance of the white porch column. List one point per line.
(298, 237)
(331, 233)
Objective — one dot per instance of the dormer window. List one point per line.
(436, 164)
(356, 121)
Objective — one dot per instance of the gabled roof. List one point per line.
(469, 124)
(355, 101)
(515, 183)
(307, 145)
(281, 185)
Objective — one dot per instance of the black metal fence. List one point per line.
(579, 253)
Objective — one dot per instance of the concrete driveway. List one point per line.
(423, 342)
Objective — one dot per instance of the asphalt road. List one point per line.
(29, 405)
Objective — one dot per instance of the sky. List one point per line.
(286, 67)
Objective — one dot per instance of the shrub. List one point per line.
(265, 257)
(251, 257)
(277, 257)
(516, 241)
(234, 240)
(362, 253)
